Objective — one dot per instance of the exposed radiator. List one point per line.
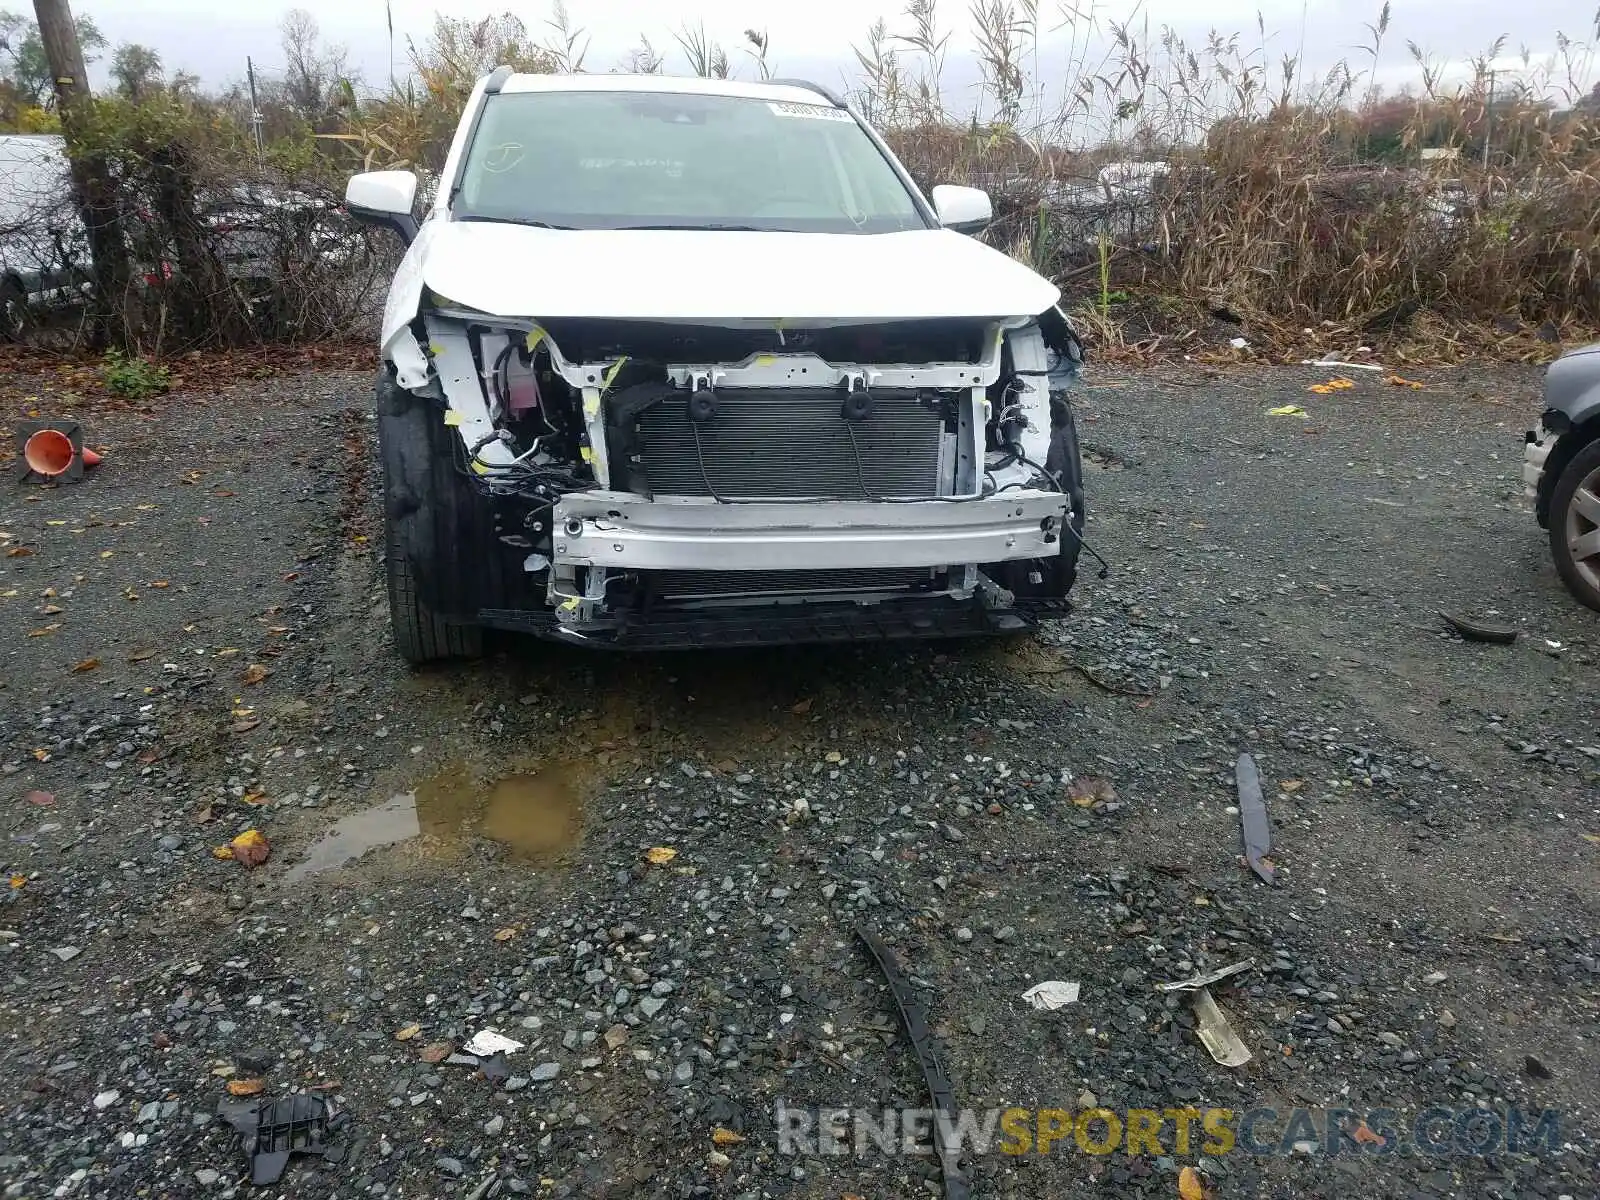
(767, 443)
(705, 585)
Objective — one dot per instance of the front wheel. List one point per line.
(432, 522)
(1575, 525)
(1064, 462)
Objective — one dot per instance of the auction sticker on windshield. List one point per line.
(815, 112)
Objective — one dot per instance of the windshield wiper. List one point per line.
(532, 224)
(699, 228)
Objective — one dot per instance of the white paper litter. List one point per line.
(1333, 362)
(1239, 343)
(486, 1042)
(1052, 994)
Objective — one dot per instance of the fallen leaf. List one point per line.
(434, 1052)
(245, 726)
(725, 1137)
(42, 754)
(141, 655)
(18, 552)
(160, 583)
(87, 665)
(660, 856)
(1190, 1185)
(245, 1087)
(506, 934)
(42, 799)
(206, 814)
(222, 852)
(44, 631)
(1365, 1136)
(1592, 837)
(291, 576)
(228, 652)
(254, 674)
(1086, 791)
(1291, 785)
(51, 610)
(1402, 381)
(254, 799)
(406, 1034)
(802, 708)
(18, 882)
(107, 553)
(250, 848)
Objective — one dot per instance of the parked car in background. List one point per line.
(1561, 470)
(44, 254)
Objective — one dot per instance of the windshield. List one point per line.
(630, 160)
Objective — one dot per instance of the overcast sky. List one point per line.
(814, 37)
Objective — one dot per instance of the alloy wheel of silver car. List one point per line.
(1582, 520)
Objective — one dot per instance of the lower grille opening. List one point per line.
(746, 585)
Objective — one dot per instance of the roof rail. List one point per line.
(831, 96)
(497, 80)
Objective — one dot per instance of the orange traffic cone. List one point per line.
(90, 458)
(48, 453)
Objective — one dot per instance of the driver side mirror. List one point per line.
(384, 199)
(964, 209)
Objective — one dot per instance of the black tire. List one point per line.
(14, 315)
(1065, 462)
(435, 548)
(1582, 577)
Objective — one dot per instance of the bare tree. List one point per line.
(317, 77)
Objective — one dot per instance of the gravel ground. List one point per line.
(196, 646)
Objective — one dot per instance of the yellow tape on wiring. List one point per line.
(591, 406)
(452, 418)
(480, 468)
(586, 453)
(570, 603)
(766, 360)
(535, 336)
(611, 375)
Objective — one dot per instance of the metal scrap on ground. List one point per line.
(1205, 978)
(1218, 1037)
(1253, 817)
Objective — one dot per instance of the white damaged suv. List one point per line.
(688, 362)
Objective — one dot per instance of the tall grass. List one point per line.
(1287, 200)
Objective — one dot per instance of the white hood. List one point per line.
(714, 276)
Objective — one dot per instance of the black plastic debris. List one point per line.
(1478, 631)
(915, 1020)
(1253, 817)
(270, 1131)
(495, 1068)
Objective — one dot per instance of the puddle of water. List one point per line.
(538, 817)
(352, 836)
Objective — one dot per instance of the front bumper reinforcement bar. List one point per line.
(625, 531)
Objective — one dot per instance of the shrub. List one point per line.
(133, 378)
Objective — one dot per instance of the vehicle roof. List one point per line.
(677, 84)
